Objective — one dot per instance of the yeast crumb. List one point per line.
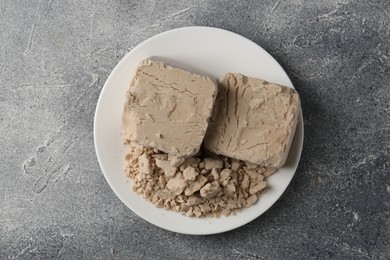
(196, 186)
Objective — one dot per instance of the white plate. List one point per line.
(203, 49)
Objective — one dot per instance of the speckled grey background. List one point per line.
(54, 59)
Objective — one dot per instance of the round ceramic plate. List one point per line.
(204, 50)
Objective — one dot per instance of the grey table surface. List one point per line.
(54, 59)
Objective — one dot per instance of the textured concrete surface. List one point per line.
(54, 59)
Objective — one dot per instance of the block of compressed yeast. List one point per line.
(253, 120)
(168, 108)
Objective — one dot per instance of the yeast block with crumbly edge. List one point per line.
(168, 108)
(253, 121)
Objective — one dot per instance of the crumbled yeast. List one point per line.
(196, 186)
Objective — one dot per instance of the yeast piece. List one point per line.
(254, 120)
(168, 108)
